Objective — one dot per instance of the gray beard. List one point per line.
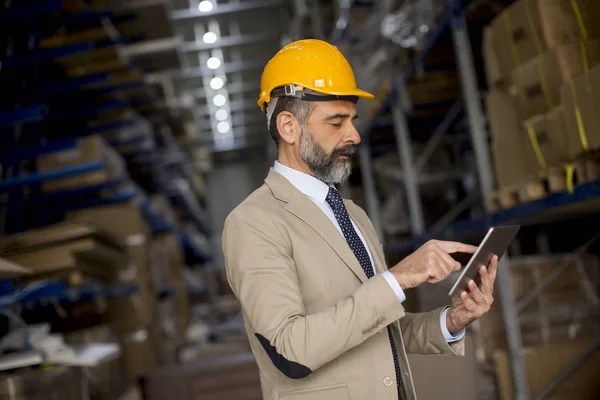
(328, 168)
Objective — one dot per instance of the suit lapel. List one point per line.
(303, 208)
(369, 235)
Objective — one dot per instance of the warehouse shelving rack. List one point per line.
(20, 189)
(558, 206)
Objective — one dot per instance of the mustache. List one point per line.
(349, 149)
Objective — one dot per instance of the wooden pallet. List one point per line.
(552, 180)
(587, 168)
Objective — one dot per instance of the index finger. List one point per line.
(456, 247)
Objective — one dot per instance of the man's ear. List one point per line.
(288, 127)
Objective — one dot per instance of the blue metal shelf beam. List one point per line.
(29, 114)
(38, 177)
(30, 10)
(527, 214)
(36, 293)
(115, 199)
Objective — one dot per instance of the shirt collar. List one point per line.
(307, 184)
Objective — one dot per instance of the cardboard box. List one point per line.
(125, 220)
(562, 24)
(107, 382)
(517, 35)
(544, 363)
(536, 85)
(581, 97)
(183, 309)
(508, 141)
(9, 269)
(139, 353)
(64, 248)
(496, 75)
(163, 207)
(90, 149)
(132, 313)
(546, 135)
(160, 268)
(576, 58)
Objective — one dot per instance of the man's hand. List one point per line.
(430, 263)
(469, 305)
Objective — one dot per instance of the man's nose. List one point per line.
(352, 136)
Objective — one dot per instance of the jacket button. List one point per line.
(387, 381)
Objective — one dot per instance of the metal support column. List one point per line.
(409, 172)
(510, 317)
(372, 202)
(316, 20)
(464, 57)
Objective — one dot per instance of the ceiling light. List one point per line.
(209, 37)
(221, 115)
(216, 83)
(219, 100)
(223, 127)
(205, 6)
(213, 63)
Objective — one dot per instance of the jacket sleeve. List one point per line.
(262, 274)
(422, 334)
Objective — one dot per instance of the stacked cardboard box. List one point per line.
(86, 151)
(69, 251)
(560, 317)
(166, 272)
(107, 379)
(132, 318)
(539, 58)
(144, 323)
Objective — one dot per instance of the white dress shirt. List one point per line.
(316, 191)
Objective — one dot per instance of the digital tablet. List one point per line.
(495, 242)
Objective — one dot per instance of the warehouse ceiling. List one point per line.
(225, 44)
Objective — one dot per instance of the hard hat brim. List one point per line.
(355, 92)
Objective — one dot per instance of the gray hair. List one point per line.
(300, 108)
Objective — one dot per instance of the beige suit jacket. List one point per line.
(316, 324)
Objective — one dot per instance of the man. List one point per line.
(323, 313)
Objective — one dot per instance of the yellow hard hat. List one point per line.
(309, 65)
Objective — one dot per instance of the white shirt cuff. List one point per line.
(394, 285)
(447, 335)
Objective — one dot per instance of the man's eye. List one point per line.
(337, 125)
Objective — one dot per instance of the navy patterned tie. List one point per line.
(341, 215)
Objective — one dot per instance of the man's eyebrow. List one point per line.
(340, 116)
